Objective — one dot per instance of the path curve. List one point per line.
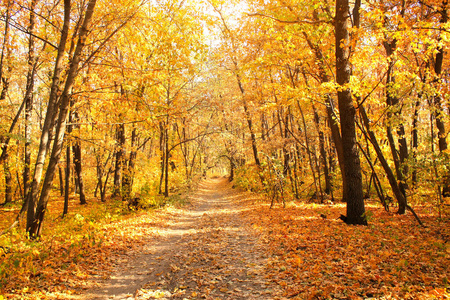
(205, 251)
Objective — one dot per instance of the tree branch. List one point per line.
(288, 21)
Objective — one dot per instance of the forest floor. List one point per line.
(227, 244)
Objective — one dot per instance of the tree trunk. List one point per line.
(120, 156)
(128, 176)
(8, 180)
(390, 175)
(5, 81)
(61, 181)
(35, 227)
(347, 111)
(232, 167)
(50, 116)
(438, 62)
(166, 160)
(100, 173)
(438, 113)
(5, 36)
(308, 150)
(332, 118)
(4, 92)
(248, 117)
(76, 148)
(323, 153)
(162, 149)
(29, 100)
(376, 181)
(67, 181)
(400, 157)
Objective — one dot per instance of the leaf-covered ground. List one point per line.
(87, 244)
(228, 244)
(314, 257)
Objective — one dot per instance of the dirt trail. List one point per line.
(207, 251)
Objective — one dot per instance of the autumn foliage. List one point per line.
(325, 108)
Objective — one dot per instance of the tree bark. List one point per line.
(250, 127)
(29, 100)
(437, 81)
(323, 153)
(120, 138)
(50, 116)
(61, 181)
(35, 229)
(162, 150)
(5, 37)
(166, 159)
(438, 113)
(6, 50)
(128, 175)
(76, 148)
(347, 112)
(67, 181)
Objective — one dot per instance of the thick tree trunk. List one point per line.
(50, 116)
(347, 111)
(36, 225)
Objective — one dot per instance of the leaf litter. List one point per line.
(228, 244)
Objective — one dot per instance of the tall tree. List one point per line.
(34, 229)
(347, 113)
(32, 60)
(50, 117)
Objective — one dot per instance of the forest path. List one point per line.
(205, 251)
